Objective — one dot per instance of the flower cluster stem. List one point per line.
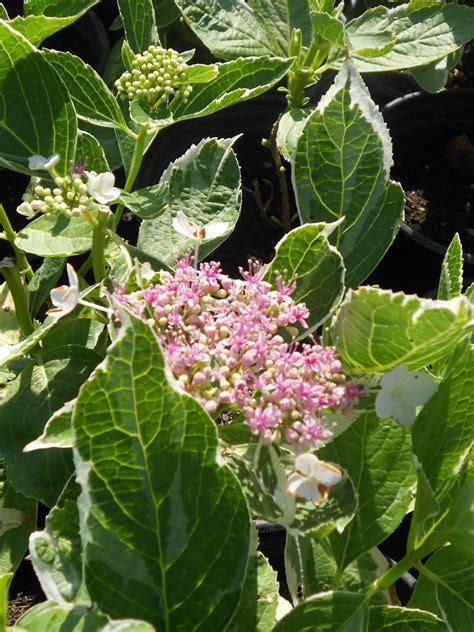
(135, 165)
(10, 235)
(17, 290)
(98, 246)
(282, 180)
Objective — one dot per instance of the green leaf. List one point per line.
(3, 12)
(433, 76)
(45, 278)
(17, 521)
(442, 432)
(450, 282)
(138, 17)
(54, 617)
(278, 19)
(341, 171)
(152, 492)
(55, 235)
(395, 619)
(57, 8)
(5, 580)
(377, 455)
(229, 29)
(310, 569)
(376, 330)
(259, 601)
(421, 35)
(328, 612)
(204, 184)
(305, 257)
(36, 114)
(92, 99)
(10, 353)
(166, 12)
(328, 28)
(289, 128)
(89, 153)
(149, 202)
(232, 29)
(458, 526)
(9, 330)
(28, 402)
(447, 574)
(82, 332)
(57, 432)
(237, 81)
(37, 27)
(56, 551)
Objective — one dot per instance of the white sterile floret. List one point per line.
(198, 232)
(402, 391)
(65, 297)
(101, 187)
(312, 478)
(41, 162)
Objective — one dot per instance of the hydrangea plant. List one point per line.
(350, 405)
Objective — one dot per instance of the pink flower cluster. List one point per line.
(231, 343)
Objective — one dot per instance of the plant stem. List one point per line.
(98, 246)
(137, 159)
(390, 577)
(17, 290)
(10, 234)
(282, 181)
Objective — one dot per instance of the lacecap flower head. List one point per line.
(232, 343)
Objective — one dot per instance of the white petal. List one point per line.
(304, 463)
(327, 474)
(384, 404)
(101, 187)
(26, 210)
(184, 226)
(65, 297)
(52, 161)
(215, 229)
(37, 162)
(41, 162)
(300, 487)
(72, 278)
(418, 388)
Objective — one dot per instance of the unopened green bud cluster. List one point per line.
(69, 197)
(157, 75)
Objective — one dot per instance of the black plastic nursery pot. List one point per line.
(433, 140)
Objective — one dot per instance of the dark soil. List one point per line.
(25, 592)
(463, 75)
(439, 188)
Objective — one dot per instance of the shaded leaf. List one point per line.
(45, 278)
(28, 402)
(377, 455)
(138, 18)
(89, 153)
(394, 619)
(328, 612)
